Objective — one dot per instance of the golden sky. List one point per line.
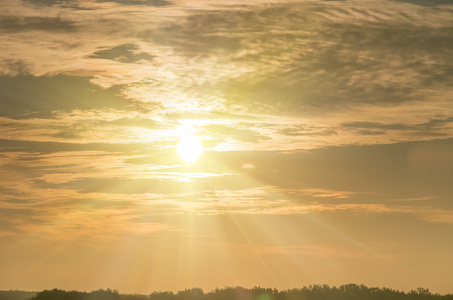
(326, 128)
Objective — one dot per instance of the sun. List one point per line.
(189, 148)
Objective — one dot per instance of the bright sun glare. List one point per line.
(189, 148)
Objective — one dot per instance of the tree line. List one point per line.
(312, 292)
(16, 295)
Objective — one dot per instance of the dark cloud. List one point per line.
(374, 125)
(370, 132)
(392, 38)
(347, 69)
(323, 64)
(304, 130)
(140, 2)
(78, 130)
(22, 95)
(127, 53)
(14, 67)
(198, 34)
(59, 3)
(76, 4)
(50, 147)
(9, 217)
(433, 124)
(427, 2)
(53, 24)
(126, 186)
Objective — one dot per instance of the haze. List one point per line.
(327, 135)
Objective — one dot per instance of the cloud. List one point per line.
(36, 23)
(196, 37)
(240, 133)
(70, 188)
(46, 94)
(14, 67)
(127, 53)
(139, 2)
(77, 4)
(61, 3)
(323, 66)
(329, 65)
(439, 127)
(426, 2)
(280, 77)
(49, 147)
(32, 208)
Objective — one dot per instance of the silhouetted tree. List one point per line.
(16, 295)
(190, 294)
(162, 296)
(312, 292)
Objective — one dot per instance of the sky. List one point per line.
(327, 135)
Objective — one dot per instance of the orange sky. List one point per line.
(327, 135)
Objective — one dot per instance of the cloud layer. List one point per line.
(327, 128)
